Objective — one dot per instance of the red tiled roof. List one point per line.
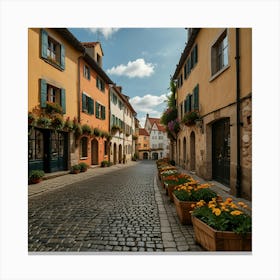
(89, 44)
(157, 121)
(143, 131)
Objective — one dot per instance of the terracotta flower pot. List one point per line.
(214, 240)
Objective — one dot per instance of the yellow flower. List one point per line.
(216, 211)
(193, 205)
(236, 213)
(200, 203)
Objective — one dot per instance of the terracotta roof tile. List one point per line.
(143, 131)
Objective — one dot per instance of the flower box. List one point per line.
(214, 240)
(183, 209)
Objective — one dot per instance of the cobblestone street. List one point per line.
(123, 210)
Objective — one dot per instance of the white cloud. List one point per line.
(137, 68)
(106, 32)
(148, 103)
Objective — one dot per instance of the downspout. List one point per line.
(238, 123)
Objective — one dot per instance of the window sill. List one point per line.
(217, 74)
(83, 158)
(53, 64)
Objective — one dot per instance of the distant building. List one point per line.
(143, 142)
(159, 142)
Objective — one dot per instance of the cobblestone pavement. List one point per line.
(123, 210)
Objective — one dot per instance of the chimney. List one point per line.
(147, 116)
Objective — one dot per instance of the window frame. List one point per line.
(84, 147)
(215, 69)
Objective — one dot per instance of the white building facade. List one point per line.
(122, 127)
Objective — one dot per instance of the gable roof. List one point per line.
(92, 45)
(143, 131)
(156, 121)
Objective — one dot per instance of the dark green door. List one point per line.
(221, 151)
(55, 151)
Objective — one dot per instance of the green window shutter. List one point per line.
(185, 105)
(103, 113)
(43, 94)
(63, 100)
(97, 109)
(84, 102)
(90, 106)
(62, 57)
(196, 97)
(44, 43)
(188, 104)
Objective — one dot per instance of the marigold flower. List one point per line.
(193, 205)
(217, 211)
(200, 203)
(236, 213)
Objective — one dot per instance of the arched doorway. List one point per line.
(115, 153)
(155, 156)
(184, 151)
(145, 155)
(120, 153)
(221, 151)
(179, 156)
(192, 147)
(94, 152)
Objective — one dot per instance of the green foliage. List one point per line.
(52, 107)
(83, 166)
(104, 163)
(44, 121)
(36, 174)
(68, 124)
(97, 132)
(86, 129)
(75, 168)
(190, 118)
(57, 122)
(224, 216)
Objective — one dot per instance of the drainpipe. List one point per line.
(238, 123)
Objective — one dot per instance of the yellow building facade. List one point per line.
(214, 80)
(52, 97)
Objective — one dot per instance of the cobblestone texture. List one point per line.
(123, 210)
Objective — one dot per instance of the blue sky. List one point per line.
(140, 60)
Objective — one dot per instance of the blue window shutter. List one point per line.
(63, 100)
(43, 93)
(62, 57)
(196, 97)
(44, 43)
(90, 106)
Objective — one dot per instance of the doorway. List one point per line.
(192, 147)
(94, 152)
(221, 151)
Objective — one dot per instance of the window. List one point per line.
(219, 53)
(35, 145)
(83, 147)
(100, 84)
(145, 145)
(192, 100)
(105, 148)
(87, 104)
(120, 105)
(100, 111)
(52, 51)
(86, 72)
(50, 93)
(114, 99)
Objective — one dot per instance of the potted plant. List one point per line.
(75, 169)
(86, 129)
(36, 176)
(186, 195)
(44, 122)
(68, 124)
(97, 132)
(52, 107)
(83, 167)
(190, 118)
(31, 119)
(57, 122)
(222, 225)
(104, 163)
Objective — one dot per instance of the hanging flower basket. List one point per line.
(190, 118)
